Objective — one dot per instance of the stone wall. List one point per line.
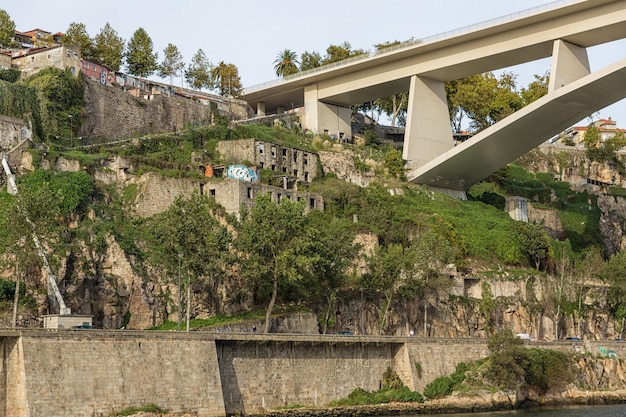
(260, 376)
(155, 193)
(342, 165)
(91, 373)
(77, 374)
(112, 112)
(12, 132)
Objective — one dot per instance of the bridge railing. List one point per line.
(409, 44)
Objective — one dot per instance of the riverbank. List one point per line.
(476, 401)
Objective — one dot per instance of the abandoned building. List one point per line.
(297, 164)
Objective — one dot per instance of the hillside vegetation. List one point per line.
(422, 242)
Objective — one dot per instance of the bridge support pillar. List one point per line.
(569, 63)
(428, 133)
(325, 118)
(260, 108)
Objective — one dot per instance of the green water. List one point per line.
(574, 411)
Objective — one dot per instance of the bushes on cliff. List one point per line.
(512, 366)
(20, 101)
(444, 385)
(392, 390)
(60, 96)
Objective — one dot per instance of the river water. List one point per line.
(573, 411)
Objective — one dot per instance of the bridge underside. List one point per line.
(500, 144)
(324, 95)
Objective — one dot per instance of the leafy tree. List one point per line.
(140, 58)
(327, 253)
(269, 244)
(394, 164)
(7, 29)
(536, 89)
(592, 136)
(310, 60)
(534, 242)
(336, 53)
(484, 98)
(172, 62)
(189, 233)
(226, 79)
(286, 63)
(72, 190)
(76, 34)
(198, 73)
(109, 48)
(564, 265)
(391, 270)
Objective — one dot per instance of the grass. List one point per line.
(129, 411)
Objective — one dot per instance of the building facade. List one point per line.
(296, 164)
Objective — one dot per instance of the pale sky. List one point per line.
(250, 33)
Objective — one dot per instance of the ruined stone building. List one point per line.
(296, 164)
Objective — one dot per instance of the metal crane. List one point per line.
(52, 280)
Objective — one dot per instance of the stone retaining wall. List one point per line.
(91, 373)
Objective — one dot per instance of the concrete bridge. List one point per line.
(92, 372)
(564, 32)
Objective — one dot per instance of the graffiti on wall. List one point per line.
(241, 172)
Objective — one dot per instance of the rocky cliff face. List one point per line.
(613, 223)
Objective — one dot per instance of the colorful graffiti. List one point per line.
(609, 353)
(241, 172)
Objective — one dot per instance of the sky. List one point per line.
(251, 33)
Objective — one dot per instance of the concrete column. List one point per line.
(428, 133)
(569, 63)
(310, 119)
(260, 108)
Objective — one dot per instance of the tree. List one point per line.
(592, 136)
(7, 29)
(394, 164)
(536, 89)
(226, 79)
(390, 270)
(269, 245)
(534, 242)
(336, 53)
(172, 62)
(327, 253)
(286, 63)
(198, 73)
(310, 60)
(484, 98)
(140, 58)
(109, 48)
(188, 234)
(564, 263)
(76, 34)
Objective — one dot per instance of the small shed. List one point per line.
(67, 321)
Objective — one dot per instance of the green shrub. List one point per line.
(129, 411)
(9, 74)
(439, 388)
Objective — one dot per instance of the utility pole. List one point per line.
(180, 257)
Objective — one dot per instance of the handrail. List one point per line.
(408, 44)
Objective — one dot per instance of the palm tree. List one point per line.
(286, 63)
